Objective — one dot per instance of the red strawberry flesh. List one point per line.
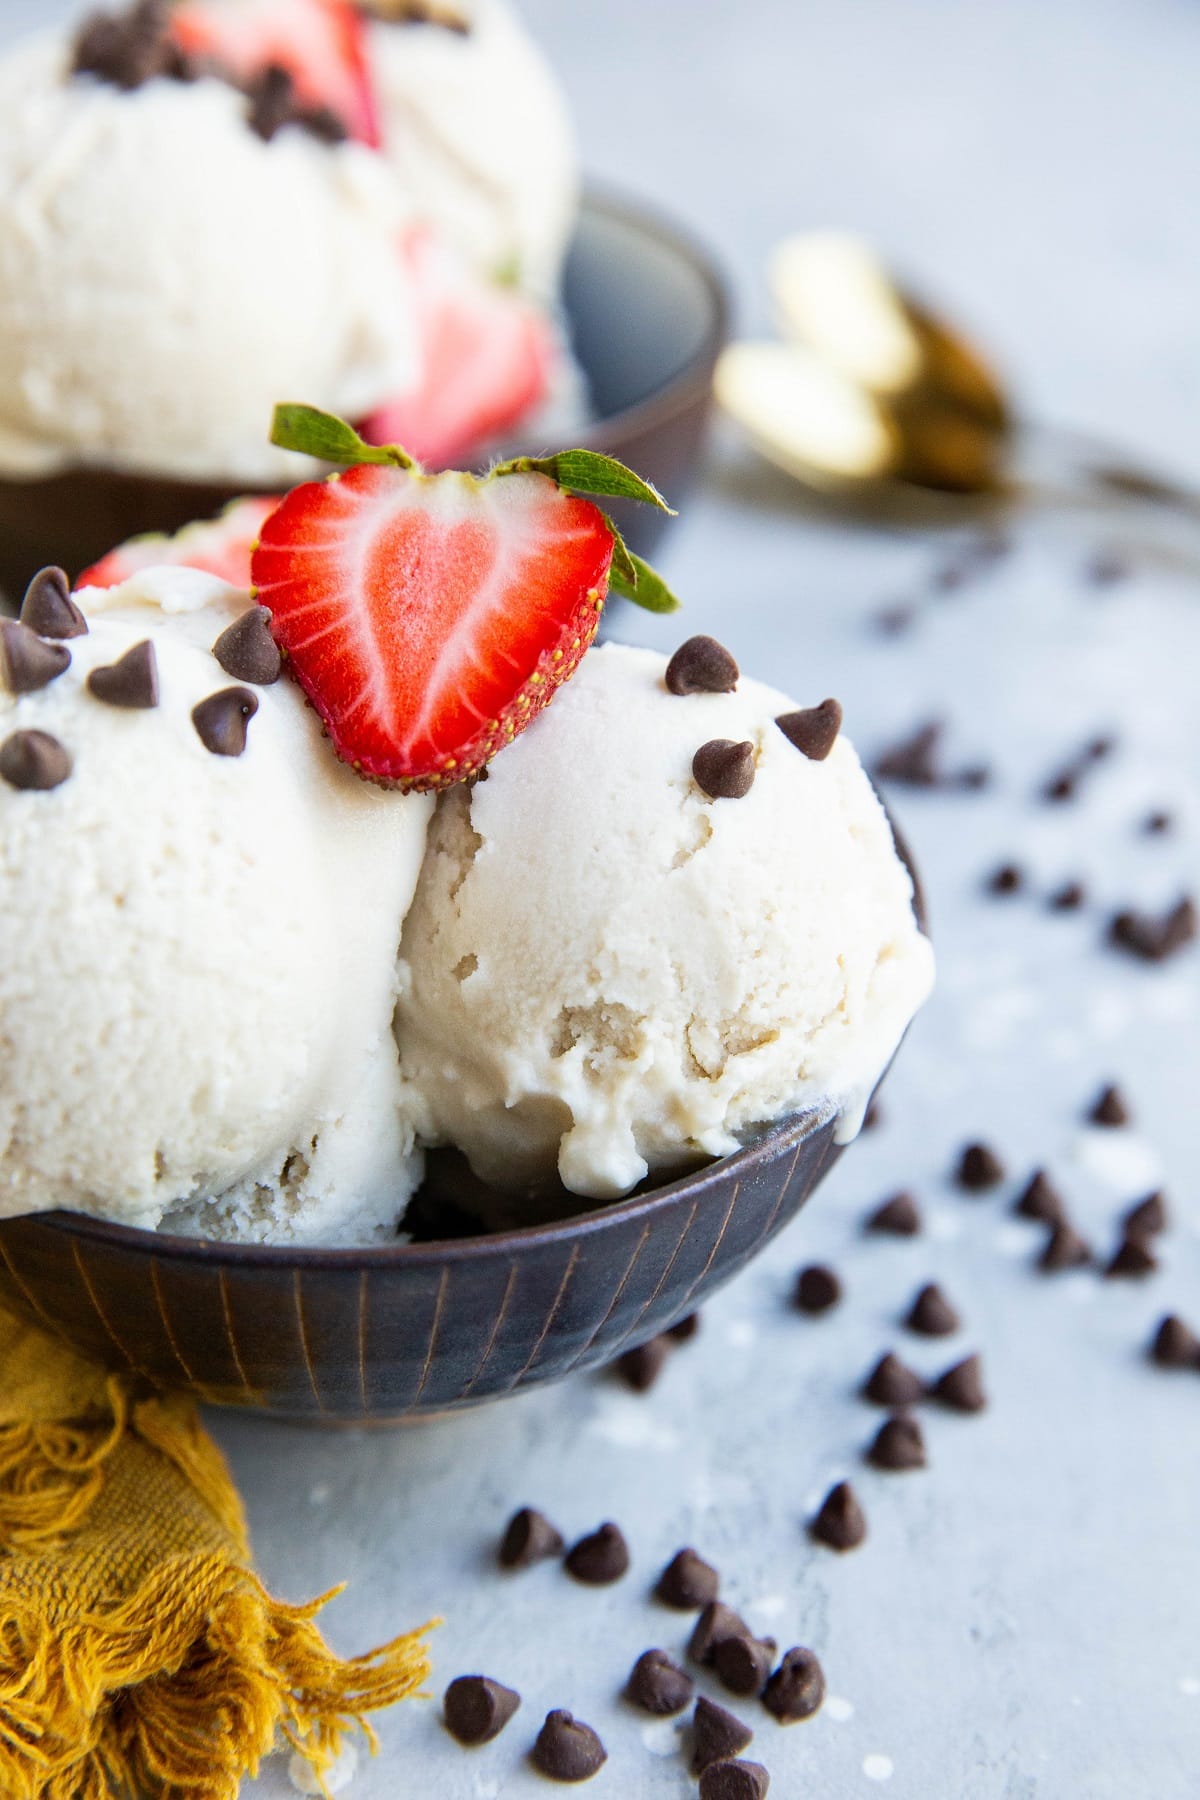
(486, 357)
(220, 547)
(321, 44)
(429, 619)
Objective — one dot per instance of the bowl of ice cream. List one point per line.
(392, 230)
(650, 971)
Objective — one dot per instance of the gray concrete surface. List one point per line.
(1023, 1620)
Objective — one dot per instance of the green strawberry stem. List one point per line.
(329, 439)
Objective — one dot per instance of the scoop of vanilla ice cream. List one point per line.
(477, 127)
(199, 967)
(166, 276)
(607, 971)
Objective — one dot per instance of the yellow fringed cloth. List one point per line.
(139, 1653)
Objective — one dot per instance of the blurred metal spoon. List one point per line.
(868, 390)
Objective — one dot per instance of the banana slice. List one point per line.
(805, 416)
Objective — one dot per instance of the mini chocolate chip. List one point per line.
(891, 621)
(1068, 898)
(1106, 568)
(247, 651)
(893, 1383)
(1155, 938)
(914, 761)
(701, 666)
(817, 1289)
(1156, 824)
(657, 1685)
(1007, 879)
(1147, 1217)
(1040, 1200)
(724, 770)
(476, 1709)
(813, 730)
(840, 1522)
(688, 1582)
(1133, 1257)
(131, 682)
(1097, 748)
(717, 1735)
(873, 1117)
(1175, 1345)
(742, 1664)
(127, 50)
(734, 1780)
(34, 762)
(529, 1538)
(27, 662)
(961, 1387)
(48, 608)
(897, 1217)
(979, 1168)
(600, 1558)
(686, 1329)
(898, 1444)
(221, 720)
(567, 1749)
(797, 1688)
(1064, 1249)
(931, 1314)
(1062, 786)
(640, 1368)
(717, 1621)
(1110, 1108)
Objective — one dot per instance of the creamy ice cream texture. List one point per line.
(200, 971)
(167, 276)
(606, 972)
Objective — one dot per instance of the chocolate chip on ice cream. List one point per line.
(48, 608)
(701, 666)
(247, 651)
(34, 762)
(724, 770)
(223, 719)
(27, 662)
(131, 682)
(813, 730)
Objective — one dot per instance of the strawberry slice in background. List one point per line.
(321, 44)
(430, 618)
(486, 354)
(219, 546)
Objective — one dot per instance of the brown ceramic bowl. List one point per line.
(376, 1336)
(647, 313)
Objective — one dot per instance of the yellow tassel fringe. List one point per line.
(138, 1652)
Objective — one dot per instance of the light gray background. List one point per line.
(1024, 1617)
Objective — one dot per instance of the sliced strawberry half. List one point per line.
(430, 618)
(219, 546)
(322, 44)
(486, 356)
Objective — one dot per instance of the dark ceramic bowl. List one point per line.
(647, 313)
(376, 1336)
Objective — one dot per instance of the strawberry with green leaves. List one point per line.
(430, 618)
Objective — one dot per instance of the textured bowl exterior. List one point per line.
(378, 1336)
(647, 311)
